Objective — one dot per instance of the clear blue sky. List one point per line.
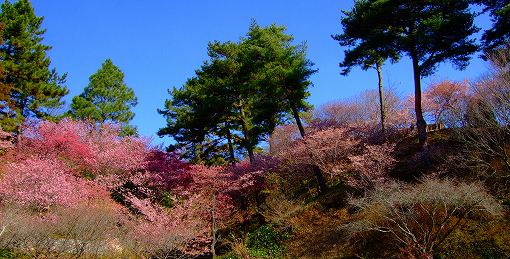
(159, 44)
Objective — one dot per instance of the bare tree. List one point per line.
(486, 134)
(420, 217)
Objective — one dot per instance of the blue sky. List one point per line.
(159, 44)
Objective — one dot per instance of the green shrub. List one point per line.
(266, 242)
(166, 200)
(6, 253)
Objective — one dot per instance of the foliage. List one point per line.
(426, 31)
(238, 97)
(85, 146)
(41, 183)
(106, 98)
(266, 242)
(73, 163)
(5, 89)
(36, 89)
(499, 34)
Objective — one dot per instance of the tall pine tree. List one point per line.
(35, 88)
(240, 95)
(106, 98)
(428, 32)
(361, 53)
(5, 89)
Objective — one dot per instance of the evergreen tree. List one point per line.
(35, 89)
(362, 53)
(429, 32)
(5, 89)
(499, 34)
(106, 98)
(239, 96)
(283, 70)
(203, 115)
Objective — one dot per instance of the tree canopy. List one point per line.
(499, 34)
(35, 89)
(106, 98)
(426, 31)
(237, 98)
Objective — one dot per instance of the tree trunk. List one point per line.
(381, 97)
(19, 128)
(298, 121)
(19, 132)
(214, 228)
(420, 121)
(248, 145)
(232, 157)
(251, 156)
(321, 182)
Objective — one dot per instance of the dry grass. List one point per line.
(316, 234)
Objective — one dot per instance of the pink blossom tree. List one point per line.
(42, 183)
(444, 101)
(343, 153)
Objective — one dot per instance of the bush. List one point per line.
(420, 217)
(266, 242)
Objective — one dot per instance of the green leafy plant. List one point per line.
(266, 242)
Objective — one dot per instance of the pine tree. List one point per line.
(499, 35)
(428, 32)
(361, 53)
(106, 98)
(239, 96)
(35, 88)
(5, 89)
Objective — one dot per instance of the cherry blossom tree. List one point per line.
(42, 183)
(345, 153)
(444, 101)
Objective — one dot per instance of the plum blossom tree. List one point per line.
(364, 109)
(444, 101)
(343, 153)
(371, 167)
(68, 163)
(42, 183)
(86, 146)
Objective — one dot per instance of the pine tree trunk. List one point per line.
(251, 156)
(232, 157)
(321, 182)
(248, 145)
(298, 121)
(381, 98)
(420, 121)
(19, 132)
